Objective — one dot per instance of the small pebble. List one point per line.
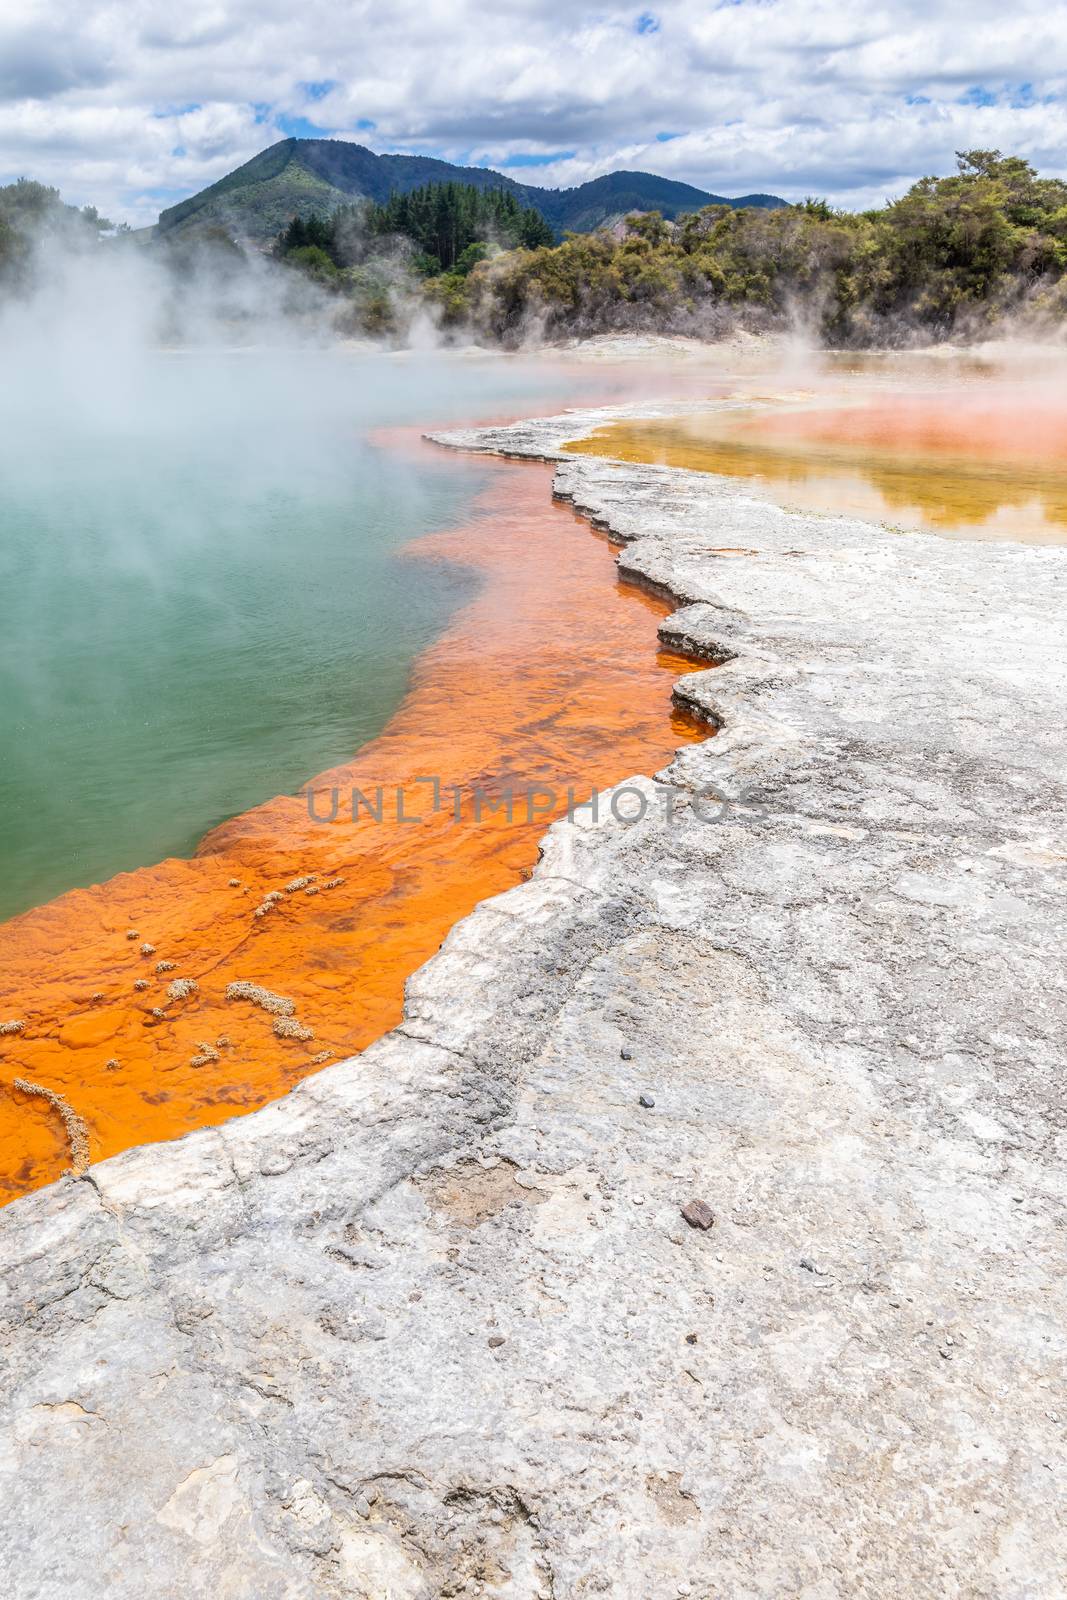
(698, 1214)
(626, 1055)
(647, 1101)
(690, 1338)
(496, 1340)
(638, 1199)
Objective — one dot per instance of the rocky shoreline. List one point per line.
(434, 1324)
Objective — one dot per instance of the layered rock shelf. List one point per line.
(435, 1324)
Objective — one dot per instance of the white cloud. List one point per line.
(134, 102)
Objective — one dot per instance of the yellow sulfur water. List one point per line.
(978, 464)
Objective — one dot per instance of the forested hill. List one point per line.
(302, 176)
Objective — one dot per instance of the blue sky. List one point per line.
(132, 103)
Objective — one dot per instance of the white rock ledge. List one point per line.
(266, 1360)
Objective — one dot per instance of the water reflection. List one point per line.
(978, 463)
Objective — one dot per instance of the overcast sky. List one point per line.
(133, 104)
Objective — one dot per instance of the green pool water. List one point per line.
(203, 600)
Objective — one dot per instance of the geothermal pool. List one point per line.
(238, 572)
(290, 622)
(985, 459)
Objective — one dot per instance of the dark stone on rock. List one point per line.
(690, 1338)
(698, 1214)
(496, 1340)
(626, 1055)
(647, 1101)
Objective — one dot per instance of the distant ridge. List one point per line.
(303, 175)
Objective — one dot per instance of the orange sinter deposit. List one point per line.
(979, 463)
(550, 677)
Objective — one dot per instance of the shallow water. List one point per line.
(986, 461)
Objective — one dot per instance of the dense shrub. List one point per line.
(952, 256)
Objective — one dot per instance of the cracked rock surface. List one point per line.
(434, 1324)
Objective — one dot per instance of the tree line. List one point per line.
(31, 212)
(452, 227)
(957, 257)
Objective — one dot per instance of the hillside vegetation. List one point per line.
(451, 227)
(295, 176)
(31, 213)
(952, 257)
(955, 257)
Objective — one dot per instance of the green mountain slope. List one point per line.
(617, 193)
(305, 175)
